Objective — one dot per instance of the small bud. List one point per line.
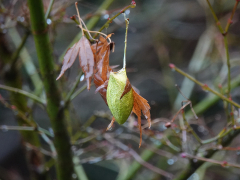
(133, 4)
(205, 87)
(218, 23)
(231, 113)
(168, 125)
(220, 86)
(230, 98)
(183, 155)
(224, 164)
(122, 11)
(230, 21)
(13, 107)
(172, 66)
(73, 18)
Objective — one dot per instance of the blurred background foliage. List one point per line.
(182, 32)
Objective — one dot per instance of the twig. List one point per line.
(111, 19)
(222, 163)
(232, 14)
(216, 18)
(25, 93)
(137, 157)
(204, 86)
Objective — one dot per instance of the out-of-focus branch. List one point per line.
(137, 157)
(22, 92)
(64, 165)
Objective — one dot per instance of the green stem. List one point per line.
(111, 19)
(190, 128)
(15, 55)
(206, 87)
(64, 165)
(49, 9)
(68, 98)
(125, 42)
(25, 93)
(215, 17)
(228, 65)
(230, 19)
(212, 99)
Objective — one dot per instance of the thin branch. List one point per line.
(204, 86)
(231, 18)
(111, 19)
(222, 163)
(215, 17)
(137, 157)
(68, 98)
(49, 9)
(25, 93)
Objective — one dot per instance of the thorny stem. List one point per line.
(125, 47)
(205, 87)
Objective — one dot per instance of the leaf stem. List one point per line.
(125, 47)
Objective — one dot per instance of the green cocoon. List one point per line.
(120, 108)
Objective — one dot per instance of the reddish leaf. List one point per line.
(86, 59)
(141, 105)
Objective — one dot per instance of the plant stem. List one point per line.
(206, 87)
(25, 93)
(215, 17)
(230, 19)
(15, 55)
(191, 168)
(111, 19)
(64, 165)
(49, 9)
(125, 47)
(212, 99)
(68, 98)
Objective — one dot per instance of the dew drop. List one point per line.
(49, 21)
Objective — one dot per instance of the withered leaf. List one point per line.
(86, 59)
(127, 88)
(69, 58)
(141, 105)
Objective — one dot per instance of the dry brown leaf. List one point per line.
(69, 58)
(86, 59)
(141, 105)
